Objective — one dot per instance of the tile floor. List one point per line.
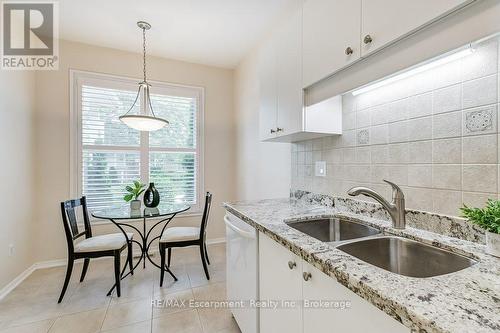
(32, 307)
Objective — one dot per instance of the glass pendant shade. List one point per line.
(143, 122)
(147, 121)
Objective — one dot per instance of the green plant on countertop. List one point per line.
(134, 192)
(487, 218)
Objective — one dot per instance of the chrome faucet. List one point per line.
(396, 208)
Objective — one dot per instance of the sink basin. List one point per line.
(406, 257)
(333, 229)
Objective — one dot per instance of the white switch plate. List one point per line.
(320, 169)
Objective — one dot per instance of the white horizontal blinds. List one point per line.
(172, 158)
(181, 112)
(113, 155)
(101, 108)
(174, 175)
(110, 150)
(105, 175)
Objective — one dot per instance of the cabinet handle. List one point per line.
(279, 129)
(306, 276)
(349, 50)
(273, 131)
(368, 39)
(292, 264)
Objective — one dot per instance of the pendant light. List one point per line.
(147, 121)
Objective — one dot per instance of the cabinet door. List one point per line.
(387, 20)
(289, 74)
(329, 28)
(268, 91)
(359, 317)
(278, 282)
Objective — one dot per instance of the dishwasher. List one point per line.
(242, 271)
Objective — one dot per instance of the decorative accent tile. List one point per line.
(363, 137)
(479, 120)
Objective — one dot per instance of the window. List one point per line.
(107, 155)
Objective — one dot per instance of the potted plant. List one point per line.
(487, 218)
(133, 195)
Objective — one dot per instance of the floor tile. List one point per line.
(37, 327)
(127, 313)
(141, 327)
(180, 322)
(32, 306)
(171, 302)
(81, 322)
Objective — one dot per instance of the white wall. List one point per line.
(52, 159)
(262, 169)
(16, 146)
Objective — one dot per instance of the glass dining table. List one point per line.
(123, 217)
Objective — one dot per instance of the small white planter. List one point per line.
(135, 205)
(493, 244)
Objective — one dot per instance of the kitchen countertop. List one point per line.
(464, 301)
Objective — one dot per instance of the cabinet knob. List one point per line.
(273, 131)
(306, 276)
(292, 264)
(368, 39)
(349, 50)
(279, 129)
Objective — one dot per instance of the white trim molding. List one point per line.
(77, 78)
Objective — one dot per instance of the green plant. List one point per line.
(134, 192)
(487, 218)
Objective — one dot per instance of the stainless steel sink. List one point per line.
(406, 257)
(333, 229)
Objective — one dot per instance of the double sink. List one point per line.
(394, 254)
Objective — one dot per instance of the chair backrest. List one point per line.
(70, 220)
(206, 212)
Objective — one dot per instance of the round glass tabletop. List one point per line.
(123, 212)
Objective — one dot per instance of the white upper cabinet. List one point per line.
(331, 37)
(384, 21)
(289, 74)
(268, 92)
(280, 70)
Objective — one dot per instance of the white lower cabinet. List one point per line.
(281, 281)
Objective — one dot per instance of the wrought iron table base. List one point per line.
(144, 246)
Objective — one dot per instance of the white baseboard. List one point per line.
(62, 262)
(17, 281)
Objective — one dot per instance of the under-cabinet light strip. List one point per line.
(415, 70)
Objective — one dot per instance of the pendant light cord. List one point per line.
(144, 52)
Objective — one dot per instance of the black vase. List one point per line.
(151, 196)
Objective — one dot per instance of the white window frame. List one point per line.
(77, 78)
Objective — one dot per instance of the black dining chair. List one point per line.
(186, 236)
(110, 245)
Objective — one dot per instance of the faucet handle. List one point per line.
(396, 190)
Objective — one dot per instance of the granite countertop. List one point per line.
(464, 301)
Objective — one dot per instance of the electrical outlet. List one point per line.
(11, 250)
(320, 169)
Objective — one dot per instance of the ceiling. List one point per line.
(211, 32)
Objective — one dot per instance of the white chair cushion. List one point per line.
(103, 242)
(179, 234)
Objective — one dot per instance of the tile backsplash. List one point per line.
(435, 134)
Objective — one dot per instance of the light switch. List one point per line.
(320, 169)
